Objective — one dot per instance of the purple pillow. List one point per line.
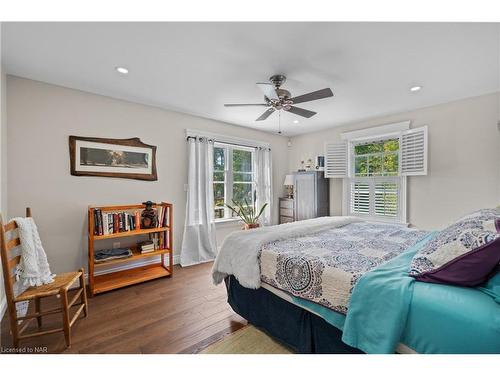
(466, 253)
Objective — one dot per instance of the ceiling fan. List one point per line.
(277, 99)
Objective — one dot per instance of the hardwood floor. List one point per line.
(183, 314)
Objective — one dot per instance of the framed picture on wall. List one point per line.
(106, 157)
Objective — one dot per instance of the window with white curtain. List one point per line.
(234, 178)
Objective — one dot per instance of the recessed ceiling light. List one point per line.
(415, 88)
(121, 70)
(295, 121)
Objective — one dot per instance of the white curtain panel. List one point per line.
(199, 242)
(263, 182)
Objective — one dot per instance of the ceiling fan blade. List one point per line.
(301, 112)
(246, 105)
(315, 95)
(266, 114)
(269, 90)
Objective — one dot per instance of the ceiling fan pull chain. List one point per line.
(279, 122)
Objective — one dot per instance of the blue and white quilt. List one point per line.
(324, 267)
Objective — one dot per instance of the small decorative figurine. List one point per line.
(149, 218)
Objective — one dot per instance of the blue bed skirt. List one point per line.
(302, 331)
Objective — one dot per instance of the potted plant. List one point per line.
(247, 213)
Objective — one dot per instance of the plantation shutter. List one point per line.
(413, 152)
(360, 197)
(336, 160)
(386, 199)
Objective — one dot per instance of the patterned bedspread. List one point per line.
(324, 267)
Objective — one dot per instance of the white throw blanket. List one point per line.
(33, 269)
(239, 253)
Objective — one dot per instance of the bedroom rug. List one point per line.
(248, 340)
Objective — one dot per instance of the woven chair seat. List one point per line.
(62, 281)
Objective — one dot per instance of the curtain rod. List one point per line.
(226, 143)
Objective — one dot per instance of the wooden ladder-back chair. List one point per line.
(10, 241)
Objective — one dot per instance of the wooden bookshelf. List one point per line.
(111, 281)
(140, 273)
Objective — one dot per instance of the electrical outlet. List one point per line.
(116, 245)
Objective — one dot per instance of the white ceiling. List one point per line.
(197, 67)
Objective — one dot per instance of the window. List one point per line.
(219, 181)
(374, 164)
(233, 177)
(375, 189)
(378, 158)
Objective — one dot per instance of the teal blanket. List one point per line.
(380, 300)
(378, 307)
(388, 307)
(449, 319)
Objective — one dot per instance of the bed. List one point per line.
(342, 286)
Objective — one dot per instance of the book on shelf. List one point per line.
(98, 222)
(137, 221)
(124, 221)
(162, 213)
(159, 240)
(146, 246)
(163, 216)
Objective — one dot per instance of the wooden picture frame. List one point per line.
(108, 157)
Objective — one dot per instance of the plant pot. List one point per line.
(250, 226)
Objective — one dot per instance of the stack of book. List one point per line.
(146, 247)
(115, 222)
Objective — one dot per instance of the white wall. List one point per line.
(3, 160)
(3, 134)
(42, 116)
(464, 159)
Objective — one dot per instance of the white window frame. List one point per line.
(401, 218)
(229, 178)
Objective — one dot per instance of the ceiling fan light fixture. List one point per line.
(121, 70)
(278, 99)
(295, 121)
(415, 88)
